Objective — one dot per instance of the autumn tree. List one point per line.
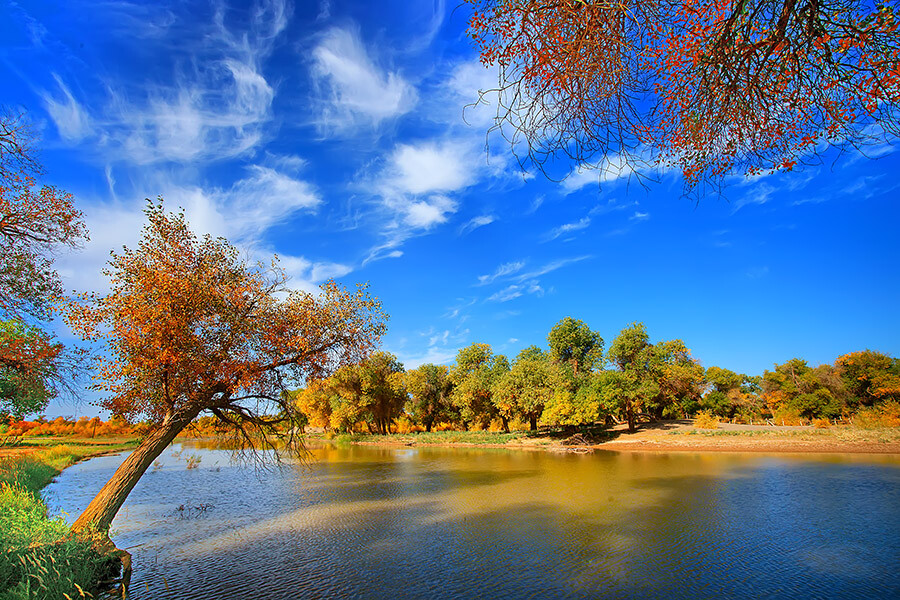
(35, 223)
(708, 87)
(473, 377)
(659, 378)
(189, 327)
(29, 363)
(574, 343)
(524, 390)
(315, 402)
(804, 391)
(870, 376)
(731, 394)
(429, 389)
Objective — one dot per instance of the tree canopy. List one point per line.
(708, 87)
(35, 223)
(188, 326)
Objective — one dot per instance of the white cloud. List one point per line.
(215, 103)
(469, 87)
(412, 189)
(508, 293)
(430, 167)
(550, 267)
(608, 169)
(268, 197)
(757, 272)
(476, 222)
(244, 211)
(513, 291)
(440, 337)
(305, 274)
(639, 216)
(351, 87)
(426, 214)
(70, 118)
(501, 271)
(567, 228)
(760, 194)
(434, 355)
(241, 213)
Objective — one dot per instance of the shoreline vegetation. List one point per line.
(40, 558)
(664, 436)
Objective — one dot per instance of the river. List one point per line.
(393, 523)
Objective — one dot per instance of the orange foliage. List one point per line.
(706, 86)
(191, 327)
(63, 426)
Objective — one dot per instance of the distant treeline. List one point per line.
(576, 381)
(83, 427)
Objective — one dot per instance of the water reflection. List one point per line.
(466, 523)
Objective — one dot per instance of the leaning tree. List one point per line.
(190, 327)
(707, 87)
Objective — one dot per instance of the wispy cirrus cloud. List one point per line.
(242, 212)
(475, 223)
(550, 267)
(70, 117)
(566, 228)
(502, 271)
(609, 169)
(215, 102)
(351, 89)
(513, 291)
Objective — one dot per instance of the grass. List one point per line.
(447, 437)
(543, 437)
(38, 559)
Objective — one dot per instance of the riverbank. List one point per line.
(38, 559)
(665, 436)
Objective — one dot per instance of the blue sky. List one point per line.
(333, 134)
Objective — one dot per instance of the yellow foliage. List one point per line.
(706, 420)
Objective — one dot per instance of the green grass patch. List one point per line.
(439, 437)
(38, 559)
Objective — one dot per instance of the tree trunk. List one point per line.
(505, 424)
(532, 419)
(103, 508)
(428, 425)
(629, 414)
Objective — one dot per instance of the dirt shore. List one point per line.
(682, 436)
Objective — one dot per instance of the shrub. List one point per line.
(706, 420)
(821, 423)
(886, 414)
(787, 415)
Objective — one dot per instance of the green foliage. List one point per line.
(585, 400)
(573, 342)
(473, 377)
(371, 391)
(629, 347)
(531, 352)
(716, 402)
(870, 376)
(723, 380)
(523, 391)
(429, 388)
(795, 391)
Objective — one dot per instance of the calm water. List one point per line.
(458, 523)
